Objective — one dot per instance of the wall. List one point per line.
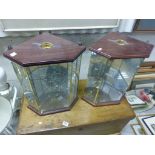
(56, 24)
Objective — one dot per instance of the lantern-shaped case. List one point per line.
(114, 61)
(48, 70)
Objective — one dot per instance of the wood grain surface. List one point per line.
(83, 118)
(109, 47)
(30, 52)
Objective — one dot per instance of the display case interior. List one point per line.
(109, 79)
(50, 87)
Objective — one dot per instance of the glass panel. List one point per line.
(109, 79)
(109, 94)
(109, 90)
(75, 77)
(111, 76)
(23, 78)
(116, 64)
(106, 94)
(121, 73)
(50, 87)
(49, 83)
(97, 67)
(120, 84)
(112, 73)
(70, 82)
(129, 68)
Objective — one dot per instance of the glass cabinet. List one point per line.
(113, 63)
(49, 72)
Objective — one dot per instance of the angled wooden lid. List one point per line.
(119, 46)
(44, 49)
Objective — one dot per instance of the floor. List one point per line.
(86, 39)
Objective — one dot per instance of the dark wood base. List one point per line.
(104, 103)
(53, 111)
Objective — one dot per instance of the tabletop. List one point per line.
(82, 114)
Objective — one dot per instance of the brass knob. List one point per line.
(46, 45)
(121, 42)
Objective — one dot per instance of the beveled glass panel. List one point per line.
(50, 87)
(108, 79)
(129, 68)
(96, 71)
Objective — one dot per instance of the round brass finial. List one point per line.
(121, 42)
(46, 45)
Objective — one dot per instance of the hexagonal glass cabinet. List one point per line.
(114, 61)
(48, 70)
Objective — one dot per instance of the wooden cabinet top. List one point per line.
(44, 49)
(119, 46)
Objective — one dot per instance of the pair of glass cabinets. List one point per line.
(48, 69)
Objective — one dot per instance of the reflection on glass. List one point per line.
(109, 79)
(50, 88)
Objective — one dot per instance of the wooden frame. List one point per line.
(136, 132)
(147, 124)
(145, 74)
(54, 111)
(140, 120)
(103, 103)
